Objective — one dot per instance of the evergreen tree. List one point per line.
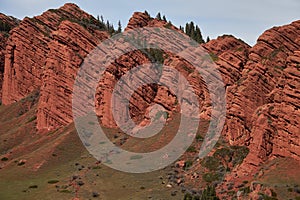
(158, 16)
(164, 18)
(119, 27)
(198, 35)
(147, 13)
(207, 39)
(4, 26)
(187, 29)
(194, 32)
(181, 28)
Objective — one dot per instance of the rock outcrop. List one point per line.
(70, 43)
(262, 82)
(264, 113)
(6, 24)
(27, 49)
(269, 86)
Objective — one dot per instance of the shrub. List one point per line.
(210, 177)
(66, 191)
(53, 181)
(4, 159)
(240, 153)
(188, 196)
(210, 163)
(246, 190)
(266, 197)
(199, 138)
(191, 149)
(214, 57)
(31, 119)
(187, 164)
(209, 193)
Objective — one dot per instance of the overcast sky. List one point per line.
(243, 19)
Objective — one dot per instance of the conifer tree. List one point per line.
(207, 39)
(164, 18)
(119, 27)
(146, 12)
(158, 16)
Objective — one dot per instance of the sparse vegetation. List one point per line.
(5, 27)
(199, 138)
(210, 163)
(194, 32)
(245, 190)
(210, 177)
(4, 159)
(21, 163)
(209, 193)
(53, 181)
(155, 55)
(213, 56)
(187, 164)
(191, 149)
(31, 119)
(266, 197)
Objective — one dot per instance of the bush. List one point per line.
(266, 197)
(4, 159)
(53, 181)
(209, 193)
(240, 153)
(187, 164)
(31, 119)
(191, 149)
(246, 190)
(188, 196)
(199, 138)
(210, 163)
(210, 177)
(4, 27)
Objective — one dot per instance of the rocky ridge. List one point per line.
(262, 82)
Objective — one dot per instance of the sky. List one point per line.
(243, 19)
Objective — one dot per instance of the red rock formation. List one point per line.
(69, 45)
(27, 50)
(262, 83)
(264, 113)
(7, 23)
(270, 79)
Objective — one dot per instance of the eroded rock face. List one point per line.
(264, 113)
(7, 23)
(69, 45)
(27, 49)
(270, 83)
(262, 83)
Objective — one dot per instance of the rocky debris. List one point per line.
(95, 194)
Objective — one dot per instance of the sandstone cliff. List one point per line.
(262, 82)
(7, 23)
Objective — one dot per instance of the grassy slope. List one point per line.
(58, 156)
